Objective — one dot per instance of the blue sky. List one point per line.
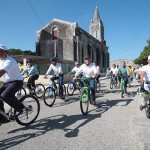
(126, 22)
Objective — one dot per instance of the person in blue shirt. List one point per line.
(30, 71)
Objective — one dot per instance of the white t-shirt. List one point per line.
(12, 70)
(114, 70)
(146, 69)
(75, 69)
(88, 71)
(57, 69)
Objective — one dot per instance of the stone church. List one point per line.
(68, 41)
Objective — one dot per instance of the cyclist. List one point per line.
(31, 71)
(98, 71)
(130, 72)
(58, 74)
(145, 78)
(123, 71)
(114, 72)
(73, 71)
(12, 81)
(75, 68)
(90, 72)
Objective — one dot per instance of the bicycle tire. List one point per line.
(98, 87)
(111, 85)
(64, 91)
(84, 102)
(49, 96)
(31, 103)
(39, 90)
(147, 111)
(70, 89)
(19, 94)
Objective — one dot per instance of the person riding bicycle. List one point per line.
(131, 73)
(114, 72)
(32, 72)
(58, 74)
(12, 81)
(90, 72)
(75, 68)
(123, 72)
(98, 71)
(145, 79)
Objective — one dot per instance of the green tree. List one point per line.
(20, 52)
(142, 59)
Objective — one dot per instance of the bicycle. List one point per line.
(51, 92)
(38, 90)
(29, 114)
(73, 86)
(85, 96)
(122, 85)
(144, 93)
(112, 81)
(97, 86)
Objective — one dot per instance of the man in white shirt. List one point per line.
(90, 72)
(12, 80)
(58, 74)
(145, 78)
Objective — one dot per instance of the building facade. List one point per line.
(68, 41)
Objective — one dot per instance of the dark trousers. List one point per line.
(31, 81)
(60, 79)
(7, 94)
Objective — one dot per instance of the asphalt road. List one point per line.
(114, 124)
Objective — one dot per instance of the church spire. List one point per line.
(96, 17)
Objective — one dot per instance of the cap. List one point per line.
(53, 58)
(76, 63)
(3, 47)
(28, 60)
(149, 57)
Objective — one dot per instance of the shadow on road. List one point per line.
(59, 122)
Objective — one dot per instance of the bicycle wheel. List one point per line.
(111, 84)
(19, 94)
(147, 110)
(31, 111)
(49, 96)
(84, 102)
(122, 88)
(70, 89)
(64, 90)
(39, 90)
(98, 86)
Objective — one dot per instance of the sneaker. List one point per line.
(61, 97)
(142, 107)
(93, 103)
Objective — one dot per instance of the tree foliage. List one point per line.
(20, 52)
(142, 59)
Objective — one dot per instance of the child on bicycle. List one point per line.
(58, 74)
(12, 81)
(90, 72)
(145, 79)
(31, 71)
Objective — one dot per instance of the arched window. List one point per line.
(82, 55)
(89, 50)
